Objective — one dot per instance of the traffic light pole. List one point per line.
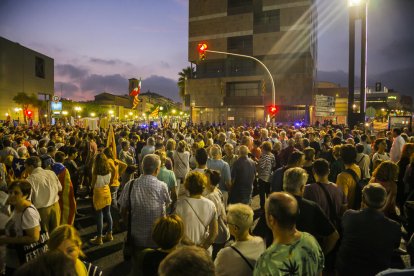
(261, 63)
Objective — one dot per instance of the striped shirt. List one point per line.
(264, 168)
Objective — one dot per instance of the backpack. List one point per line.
(359, 185)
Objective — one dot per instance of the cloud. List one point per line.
(161, 85)
(66, 87)
(70, 71)
(109, 61)
(115, 84)
(400, 80)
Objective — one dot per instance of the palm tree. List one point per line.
(185, 74)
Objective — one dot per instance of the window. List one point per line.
(240, 67)
(210, 69)
(240, 45)
(267, 21)
(40, 67)
(242, 89)
(239, 6)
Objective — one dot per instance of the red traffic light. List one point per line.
(273, 109)
(202, 47)
(29, 113)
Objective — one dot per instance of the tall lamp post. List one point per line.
(357, 10)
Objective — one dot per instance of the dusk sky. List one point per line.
(98, 45)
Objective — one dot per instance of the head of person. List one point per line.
(243, 151)
(321, 168)
(374, 196)
(380, 144)
(22, 152)
(151, 141)
(407, 151)
(309, 153)
(187, 261)
(109, 153)
(181, 146)
(359, 148)
(201, 156)
(151, 164)
(396, 132)
(239, 219)
(19, 191)
(281, 211)
(125, 145)
(66, 239)
(195, 183)
(72, 152)
(49, 264)
(386, 171)
(32, 163)
(60, 156)
(228, 149)
(267, 146)
(101, 165)
(294, 181)
(168, 231)
(170, 145)
(213, 177)
(336, 141)
(348, 154)
(215, 151)
(162, 155)
(296, 159)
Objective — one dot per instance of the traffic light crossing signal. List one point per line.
(202, 47)
(273, 109)
(29, 113)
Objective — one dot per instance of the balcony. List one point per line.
(246, 100)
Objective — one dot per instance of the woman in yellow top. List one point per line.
(117, 168)
(101, 178)
(66, 239)
(345, 181)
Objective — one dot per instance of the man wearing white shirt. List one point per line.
(397, 145)
(45, 193)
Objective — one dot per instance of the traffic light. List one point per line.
(273, 109)
(29, 113)
(202, 47)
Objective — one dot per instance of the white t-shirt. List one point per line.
(102, 180)
(195, 229)
(229, 262)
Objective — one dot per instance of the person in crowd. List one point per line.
(336, 204)
(292, 252)
(397, 145)
(313, 143)
(181, 159)
(360, 252)
(386, 174)
(296, 159)
(308, 164)
(363, 161)
(167, 233)
(49, 264)
(380, 147)
(66, 239)
(167, 176)
(23, 226)
(170, 148)
(407, 152)
(198, 213)
(256, 150)
(18, 163)
(265, 167)
(229, 156)
(117, 168)
(148, 199)
(287, 152)
(73, 168)
(239, 258)
(67, 200)
(214, 194)
(336, 165)
(326, 147)
(243, 176)
(216, 163)
(346, 179)
(187, 261)
(201, 158)
(149, 148)
(101, 178)
(45, 193)
(366, 144)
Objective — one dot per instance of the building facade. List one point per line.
(234, 90)
(23, 70)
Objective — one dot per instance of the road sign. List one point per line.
(56, 98)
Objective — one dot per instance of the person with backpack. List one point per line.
(348, 180)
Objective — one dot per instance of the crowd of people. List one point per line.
(332, 200)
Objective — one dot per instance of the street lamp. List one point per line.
(357, 10)
(77, 109)
(64, 113)
(173, 111)
(93, 114)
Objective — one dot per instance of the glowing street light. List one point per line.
(161, 108)
(64, 113)
(353, 3)
(173, 111)
(93, 114)
(181, 113)
(130, 113)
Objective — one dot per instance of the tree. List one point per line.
(185, 74)
(25, 101)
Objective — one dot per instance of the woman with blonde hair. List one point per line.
(386, 174)
(101, 178)
(65, 239)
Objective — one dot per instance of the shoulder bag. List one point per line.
(243, 257)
